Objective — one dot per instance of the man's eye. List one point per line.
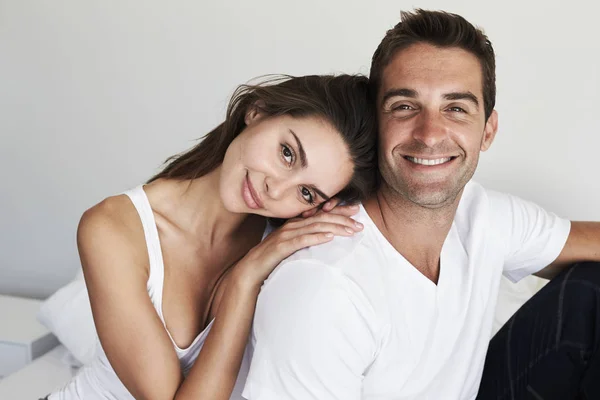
(307, 195)
(457, 109)
(401, 107)
(287, 154)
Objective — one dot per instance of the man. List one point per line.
(404, 309)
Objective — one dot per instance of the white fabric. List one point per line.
(97, 380)
(511, 296)
(352, 319)
(40, 377)
(67, 314)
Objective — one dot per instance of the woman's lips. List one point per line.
(249, 195)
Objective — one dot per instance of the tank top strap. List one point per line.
(157, 274)
(157, 269)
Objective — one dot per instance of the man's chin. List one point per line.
(432, 197)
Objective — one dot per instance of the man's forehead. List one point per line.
(423, 66)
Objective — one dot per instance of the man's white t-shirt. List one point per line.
(352, 319)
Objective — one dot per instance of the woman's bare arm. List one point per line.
(115, 265)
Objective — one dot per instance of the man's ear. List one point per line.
(254, 113)
(489, 132)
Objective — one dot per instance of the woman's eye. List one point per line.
(287, 154)
(307, 195)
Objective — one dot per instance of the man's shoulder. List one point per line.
(339, 253)
(320, 284)
(345, 276)
(336, 254)
(474, 192)
(496, 206)
(481, 216)
(477, 201)
(490, 215)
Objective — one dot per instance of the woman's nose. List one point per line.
(275, 188)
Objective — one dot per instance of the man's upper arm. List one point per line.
(312, 334)
(533, 236)
(583, 244)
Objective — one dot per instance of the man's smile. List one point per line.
(429, 161)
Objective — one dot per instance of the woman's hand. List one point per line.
(332, 206)
(294, 235)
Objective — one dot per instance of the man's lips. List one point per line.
(251, 197)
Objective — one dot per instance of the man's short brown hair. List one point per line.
(440, 29)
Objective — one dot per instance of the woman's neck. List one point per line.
(196, 207)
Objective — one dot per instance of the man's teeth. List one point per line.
(424, 161)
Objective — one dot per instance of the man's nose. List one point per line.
(430, 129)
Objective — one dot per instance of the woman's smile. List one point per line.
(249, 194)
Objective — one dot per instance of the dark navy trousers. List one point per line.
(550, 348)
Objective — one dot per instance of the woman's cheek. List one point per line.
(288, 210)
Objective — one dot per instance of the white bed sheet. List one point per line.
(38, 379)
(511, 296)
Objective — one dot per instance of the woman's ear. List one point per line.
(254, 113)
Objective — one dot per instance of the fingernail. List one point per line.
(354, 207)
(358, 225)
(349, 230)
(329, 234)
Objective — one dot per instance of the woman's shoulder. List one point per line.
(114, 214)
(112, 225)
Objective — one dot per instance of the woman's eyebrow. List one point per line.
(303, 160)
(304, 163)
(320, 193)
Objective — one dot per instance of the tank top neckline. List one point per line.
(155, 284)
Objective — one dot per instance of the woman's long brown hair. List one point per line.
(341, 100)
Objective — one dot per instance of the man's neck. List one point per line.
(416, 232)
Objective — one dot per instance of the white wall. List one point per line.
(95, 94)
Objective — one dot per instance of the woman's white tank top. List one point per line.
(98, 380)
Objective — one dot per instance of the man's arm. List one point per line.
(583, 244)
(313, 336)
(533, 238)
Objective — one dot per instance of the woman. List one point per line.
(176, 265)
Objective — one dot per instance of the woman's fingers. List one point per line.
(319, 227)
(288, 242)
(266, 257)
(331, 204)
(299, 233)
(310, 213)
(293, 236)
(345, 210)
(307, 240)
(332, 218)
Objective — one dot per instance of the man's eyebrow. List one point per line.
(462, 96)
(399, 92)
(303, 161)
